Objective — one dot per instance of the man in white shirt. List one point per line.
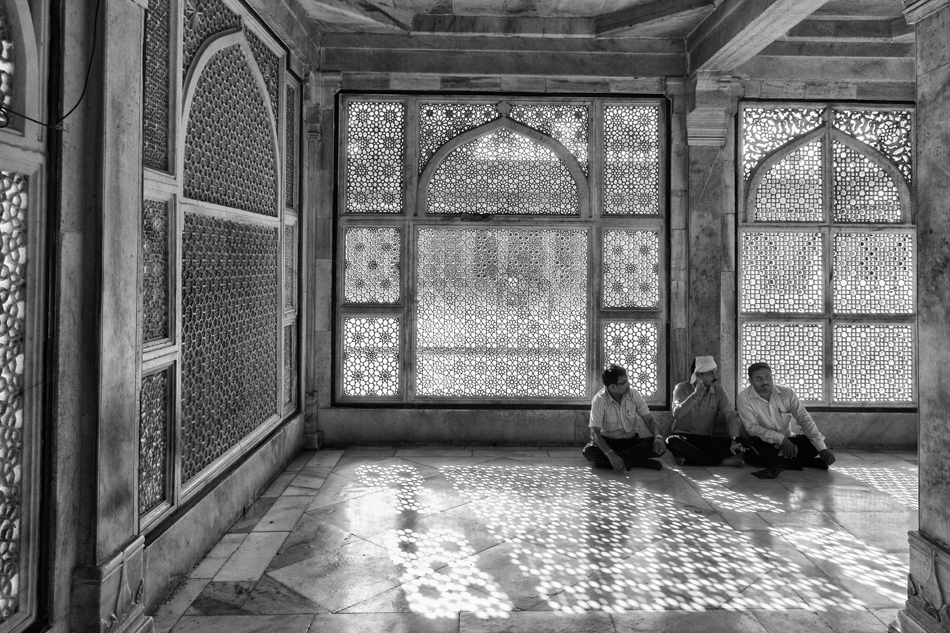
(614, 441)
(767, 411)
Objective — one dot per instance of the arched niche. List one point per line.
(17, 27)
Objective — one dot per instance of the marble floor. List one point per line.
(440, 540)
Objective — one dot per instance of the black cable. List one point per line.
(85, 83)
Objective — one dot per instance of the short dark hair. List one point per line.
(612, 374)
(754, 367)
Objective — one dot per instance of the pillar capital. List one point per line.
(917, 10)
(711, 99)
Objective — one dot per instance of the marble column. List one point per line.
(710, 136)
(928, 583)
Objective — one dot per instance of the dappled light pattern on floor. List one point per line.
(497, 541)
(898, 481)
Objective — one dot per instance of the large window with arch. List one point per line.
(827, 251)
(499, 249)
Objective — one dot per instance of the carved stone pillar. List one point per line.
(679, 233)
(928, 584)
(710, 136)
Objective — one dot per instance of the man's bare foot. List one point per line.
(679, 460)
(735, 462)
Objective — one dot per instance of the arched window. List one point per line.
(827, 251)
(500, 249)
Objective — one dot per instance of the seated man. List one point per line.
(766, 411)
(614, 442)
(697, 406)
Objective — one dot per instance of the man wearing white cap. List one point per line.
(767, 411)
(698, 406)
(614, 441)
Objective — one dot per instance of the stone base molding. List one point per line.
(928, 588)
(117, 588)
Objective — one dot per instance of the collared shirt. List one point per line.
(771, 420)
(701, 418)
(615, 419)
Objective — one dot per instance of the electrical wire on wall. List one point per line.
(58, 124)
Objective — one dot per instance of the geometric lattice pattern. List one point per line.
(203, 18)
(781, 272)
(441, 122)
(766, 129)
(889, 132)
(290, 363)
(565, 123)
(631, 269)
(502, 172)
(269, 65)
(863, 191)
(873, 273)
(371, 356)
(230, 310)
(794, 351)
(155, 270)
(13, 199)
(371, 261)
(374, 156)
(873, 363)
(290, 266)
(791, 190)
(6, 73)
(502, 313)
(632, 160)
(155, 101)
(290, 177)
(230, 155)
(153, 440)
(635, 347)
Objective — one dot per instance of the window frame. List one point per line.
(828, 228)
(590, 218)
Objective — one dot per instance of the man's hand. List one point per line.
(827, 456)
(788, 449)
(735, 448)
(659, 445)
(617, 462)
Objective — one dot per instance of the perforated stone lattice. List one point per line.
(889, 132)
(290, 266)
(766, 129)
(290, 177)
(155, 270)
(374, 156)
(492, 302)
(371, 356)
(873, 363)
(635, 347)
(371, 262)
(290, 364)
(440, 122)
(230, 157)
(155, 98)
(230, 307)
(863, 191)
(873, 273)
(782, 272)
(567, 124)
(14, 203)
(204, 18)
(502, 173)
(6, 66)
(269, 65)
(791, 191)
(794, 352)
(631, 160)
(153, 440)
(631, 269)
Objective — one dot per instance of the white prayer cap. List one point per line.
(703, 364)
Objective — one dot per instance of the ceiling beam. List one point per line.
(357, 11)
(738, 29)
(610, 23)
(841, 29)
